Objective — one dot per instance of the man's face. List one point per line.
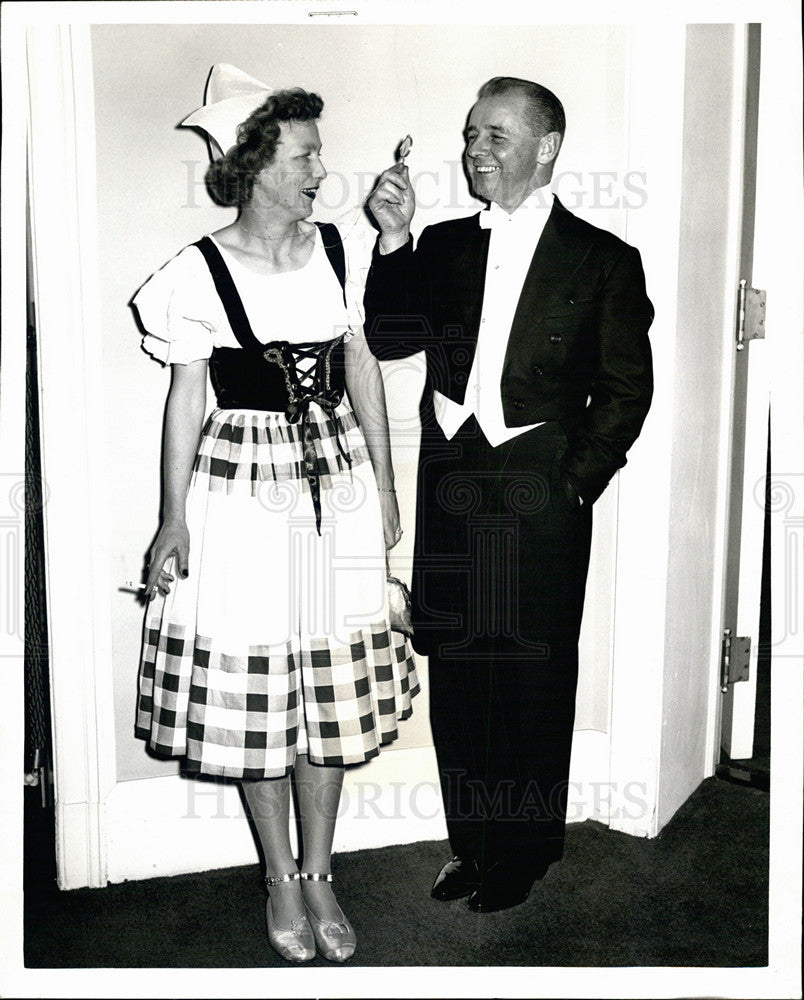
(502, 155)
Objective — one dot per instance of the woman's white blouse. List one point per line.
(185, 319)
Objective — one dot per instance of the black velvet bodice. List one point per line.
(279, 376)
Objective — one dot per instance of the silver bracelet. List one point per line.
(386, 489)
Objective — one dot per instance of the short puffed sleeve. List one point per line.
(358, 239)
(180, 310)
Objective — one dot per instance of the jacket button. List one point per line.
(538, 370)
(518, 404)
(555, 338)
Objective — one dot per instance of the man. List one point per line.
(534, 324)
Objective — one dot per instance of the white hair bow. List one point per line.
(231, 96)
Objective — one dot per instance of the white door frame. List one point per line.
(655, 126)
(643, 699)
(61, 151)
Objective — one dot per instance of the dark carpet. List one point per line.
(697, 895)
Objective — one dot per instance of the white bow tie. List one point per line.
(497, 218)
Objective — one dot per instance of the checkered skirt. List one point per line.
(277, 642)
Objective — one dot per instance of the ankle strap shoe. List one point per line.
(295, 943)
(335, 939)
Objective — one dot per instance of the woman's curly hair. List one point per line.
(230, 178)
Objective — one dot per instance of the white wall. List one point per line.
(378, 82)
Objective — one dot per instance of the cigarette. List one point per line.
(132, 588)
(404, 148)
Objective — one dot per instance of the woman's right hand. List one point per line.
(173, 540)
(392, 203)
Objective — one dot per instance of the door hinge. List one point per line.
(750, 314)
(735, 657)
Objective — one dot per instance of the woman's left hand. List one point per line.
(390, 518)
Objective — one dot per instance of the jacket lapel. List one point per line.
(550, 281)
(468, 273)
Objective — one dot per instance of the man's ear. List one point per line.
(549, 146)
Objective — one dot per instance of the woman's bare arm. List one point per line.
(184, 415)
(367, 395)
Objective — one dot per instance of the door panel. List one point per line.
(749, 441)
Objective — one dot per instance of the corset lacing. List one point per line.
(306, 368)
(307, 372)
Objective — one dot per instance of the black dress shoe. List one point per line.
(458, 878)
(505, 885)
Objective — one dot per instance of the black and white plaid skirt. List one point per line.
(278, 641)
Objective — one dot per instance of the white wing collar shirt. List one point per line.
(512, 243)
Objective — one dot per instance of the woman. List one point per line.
(267, 649)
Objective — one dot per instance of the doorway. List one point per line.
(39, 837)
(747, 559)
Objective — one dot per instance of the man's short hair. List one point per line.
(544, 112)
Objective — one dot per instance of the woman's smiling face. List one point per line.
(289, 183)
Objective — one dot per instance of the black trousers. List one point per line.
(502, 552)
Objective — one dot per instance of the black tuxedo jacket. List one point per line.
(578, 350)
